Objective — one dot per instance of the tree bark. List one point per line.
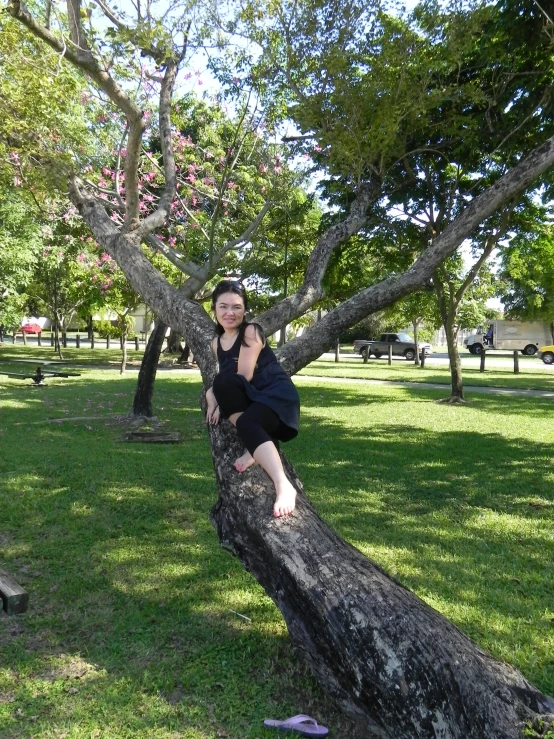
(415, 325)
(142, 403)
(390, 660)
(124, 349)
(455, 362)
(174, 345)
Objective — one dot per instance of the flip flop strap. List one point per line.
(299, 720)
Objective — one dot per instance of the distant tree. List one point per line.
(20, 241)
(526, 286)
(418, 309)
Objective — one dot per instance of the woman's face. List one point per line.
(229, 311)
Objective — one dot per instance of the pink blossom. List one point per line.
(105, 256)
(231, 185)
(16, 181)
(188, 75)
(81, 257)
(317, 147)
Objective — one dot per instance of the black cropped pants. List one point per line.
(257, 424)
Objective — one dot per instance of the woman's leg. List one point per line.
(255, 427)
(232, 400)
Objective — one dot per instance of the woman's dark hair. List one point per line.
(231, 286)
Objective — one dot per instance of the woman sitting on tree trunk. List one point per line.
(253, 391)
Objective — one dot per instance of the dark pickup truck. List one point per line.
(402, 346)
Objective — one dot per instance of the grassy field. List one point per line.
(141, 626)
(533, 373)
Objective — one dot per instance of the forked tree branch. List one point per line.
(311, 289)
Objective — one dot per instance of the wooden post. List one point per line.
(137, 343)
(51, 338)
(422, 356)
(482, 365)
(92, 340)
(39, 338)
(78, 341)
(516, 362)
(14, 598)
(390, 354)
(107, 342)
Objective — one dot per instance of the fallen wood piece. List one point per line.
(66, 419)
(14, 598)
(154, 437)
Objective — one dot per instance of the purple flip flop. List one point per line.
(303, 725)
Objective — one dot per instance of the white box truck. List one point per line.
(509, 336)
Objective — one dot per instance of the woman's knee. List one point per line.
(224, 383)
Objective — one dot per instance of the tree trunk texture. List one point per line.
(415, 325)
(184, 356)
(142, 403)
(123, 367)
(391, 661)
(455, 363)
(174, 345)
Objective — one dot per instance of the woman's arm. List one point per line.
(248, 355)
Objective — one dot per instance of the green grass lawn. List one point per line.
(533, 373)
(134, 629)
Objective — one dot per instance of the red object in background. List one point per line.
(30, 328)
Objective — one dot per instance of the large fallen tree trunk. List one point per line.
(389, 659)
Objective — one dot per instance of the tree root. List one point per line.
(453, 400)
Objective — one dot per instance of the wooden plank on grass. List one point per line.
(14, 598)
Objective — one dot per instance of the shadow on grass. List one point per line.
(134, 626)
(463, 516)
(134, 606)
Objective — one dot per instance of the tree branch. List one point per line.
(299, 352)
(161, 214)
(311, 290)
(246, 234)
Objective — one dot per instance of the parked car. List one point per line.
(402, 345)
(31, 328)
(546, 353)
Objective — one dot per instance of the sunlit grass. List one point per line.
(140, 625)
(533, 374)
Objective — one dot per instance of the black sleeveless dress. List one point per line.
(270, 385)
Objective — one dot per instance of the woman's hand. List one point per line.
(212, 415)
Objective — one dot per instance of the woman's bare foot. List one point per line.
(285, 502)
(244, 462)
